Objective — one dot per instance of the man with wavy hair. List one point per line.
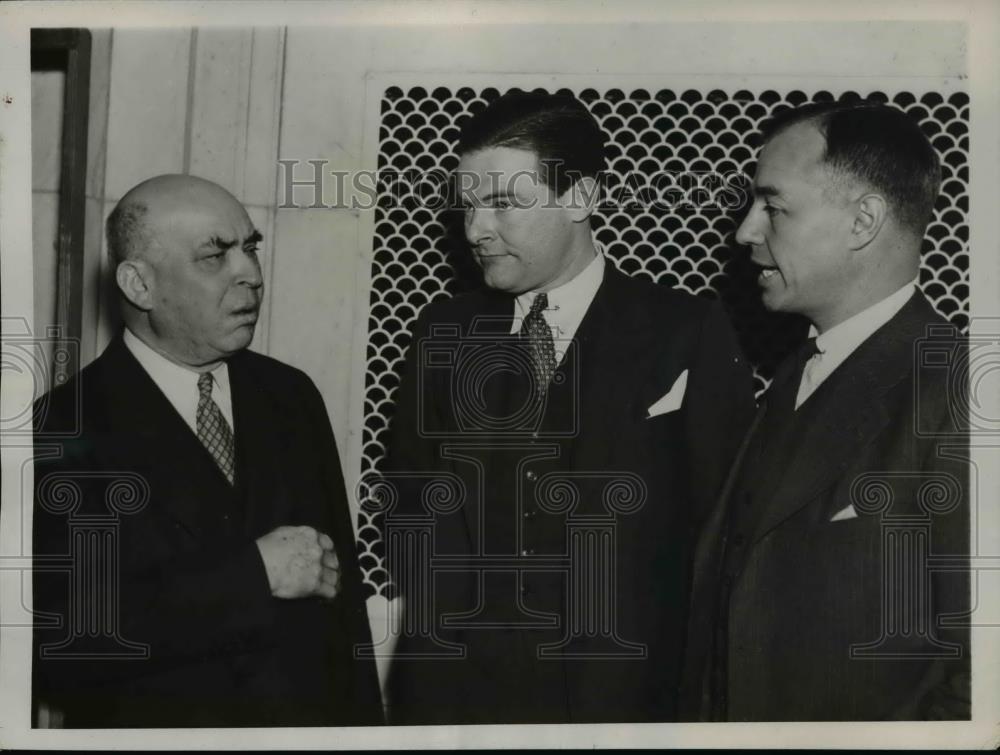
(562, 396)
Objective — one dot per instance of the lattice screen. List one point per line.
(684, 239)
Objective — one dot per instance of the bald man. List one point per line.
(223, 589)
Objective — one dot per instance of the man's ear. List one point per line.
(871, 211)
(134, 278)
(581, 198)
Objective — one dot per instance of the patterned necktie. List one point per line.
(543, 351)
(213, 430)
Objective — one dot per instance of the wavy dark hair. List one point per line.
(556, 127)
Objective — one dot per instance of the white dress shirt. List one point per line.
(180, 384)
(839, 342)
(568, 304)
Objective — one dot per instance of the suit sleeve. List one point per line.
(332, 514)
(208, 604)
(425, 690)
(719, 412)
(211, 603)
(945, 693)
(410, 450)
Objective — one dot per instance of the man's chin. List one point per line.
(498, 282)
(774, 298)
(239, 339)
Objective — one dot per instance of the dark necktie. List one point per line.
(766, 460)
(213, 430)
(785, 387)
(543, 351)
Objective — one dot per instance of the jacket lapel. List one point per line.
(162, 444)
(611, 337)
(495, 322)
(850, 412)
(257, 430)
(608, 338)
(490, 323)
(707, 551)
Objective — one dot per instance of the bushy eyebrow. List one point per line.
(222, 244)
(766, 191)
(486, 200)
(495, 195)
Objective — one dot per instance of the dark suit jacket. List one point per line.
(881, 434)
(190, 635)
(635, 341)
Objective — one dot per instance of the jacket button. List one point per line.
(528, 552)
(531, 475)
(529, 514)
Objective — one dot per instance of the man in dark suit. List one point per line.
(576, 423)
(195, 561)
(829, 582)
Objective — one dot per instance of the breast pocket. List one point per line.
(652, 448)
(664, 427)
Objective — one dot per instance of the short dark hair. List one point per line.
(556, 127)
(126, 231)
(880, 146)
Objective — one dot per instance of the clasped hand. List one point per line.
(300, 562)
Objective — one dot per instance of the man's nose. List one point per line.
(750, 231)
(479, 224)
(248, 271)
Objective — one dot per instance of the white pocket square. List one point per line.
(671, 400)
(847, 513)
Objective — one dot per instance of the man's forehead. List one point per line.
(480, 169)
(184, 195)
(796, 153)
(201, 214)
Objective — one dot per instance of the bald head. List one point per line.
(184, 252)
(131, 226)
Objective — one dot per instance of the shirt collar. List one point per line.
(180, 384)
(567, 303)
(842, 339)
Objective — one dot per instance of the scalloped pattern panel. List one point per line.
(660, 217)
